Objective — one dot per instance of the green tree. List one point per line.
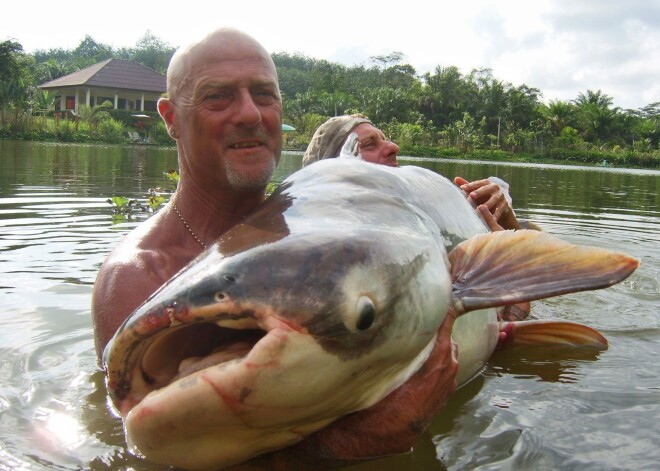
(445, 93)
(599, 122)
(490, 100)
(94, 115)
(559, 114)
(89, 52)
(150, 51)
(597, 98)
(43, 100)
(51, 69)
(568, 137)
(15, 79)
(465, 133)
(10, 66)
(522, 106)
(383, 104)
(385, 60)
(646, 124)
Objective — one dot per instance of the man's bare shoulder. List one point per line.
(142, 262)
(140, 253)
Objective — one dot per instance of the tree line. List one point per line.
(442, 113)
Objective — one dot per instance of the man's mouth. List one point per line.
(245, 145)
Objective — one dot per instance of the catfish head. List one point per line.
(245, 353)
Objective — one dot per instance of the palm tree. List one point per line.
(559, 114)
(43, 100)
(94, 115)
(599, 122)
(597, 98)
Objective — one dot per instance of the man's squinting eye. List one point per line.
(265, 96)
(216, 99)
(370, 144)
(217, 95)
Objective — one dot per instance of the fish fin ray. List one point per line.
(551, 332)
(508, 267)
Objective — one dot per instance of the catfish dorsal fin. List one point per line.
(507, 267)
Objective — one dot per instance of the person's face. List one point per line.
(228, 114)
(374, 147)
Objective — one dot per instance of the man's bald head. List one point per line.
(221, 44)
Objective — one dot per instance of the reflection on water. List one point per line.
(533, 408)
(556, 364)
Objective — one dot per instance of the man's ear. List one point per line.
(166, 111)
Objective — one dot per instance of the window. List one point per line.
(102, 99)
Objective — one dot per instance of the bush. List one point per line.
(65, 130)
(112, 131)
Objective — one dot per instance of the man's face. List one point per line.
(374, 147)
(229, 115)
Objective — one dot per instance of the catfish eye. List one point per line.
(366, 313)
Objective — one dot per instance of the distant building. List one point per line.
(126, 84)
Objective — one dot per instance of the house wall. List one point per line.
(72, 98)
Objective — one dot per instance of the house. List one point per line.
(126, 84)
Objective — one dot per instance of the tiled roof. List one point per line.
(113, 73)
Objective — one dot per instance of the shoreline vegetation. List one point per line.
(445, 113)
(71, 129)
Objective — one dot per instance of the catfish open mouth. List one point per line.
(184, 350)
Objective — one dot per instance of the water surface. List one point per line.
(533, 408)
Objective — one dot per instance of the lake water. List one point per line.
(533, 408)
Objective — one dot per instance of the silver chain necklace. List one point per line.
(192, 233)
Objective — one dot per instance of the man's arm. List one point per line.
(120, 287)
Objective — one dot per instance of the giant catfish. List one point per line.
(321, 303)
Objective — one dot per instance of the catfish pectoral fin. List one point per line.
(551, 332)
(508, 267)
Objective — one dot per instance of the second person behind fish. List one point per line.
(491, 199)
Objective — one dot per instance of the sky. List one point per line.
(562, 47)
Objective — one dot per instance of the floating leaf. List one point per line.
(172, 175)
(119, 201)
(121, 204)
(155, 201)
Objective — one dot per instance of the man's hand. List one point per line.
(489, 194)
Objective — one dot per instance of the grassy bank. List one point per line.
(91, 126)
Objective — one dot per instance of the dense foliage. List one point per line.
(441, 113)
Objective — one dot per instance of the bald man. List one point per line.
(225, 112)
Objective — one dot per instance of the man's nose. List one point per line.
(247, 112)
(392, 148)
